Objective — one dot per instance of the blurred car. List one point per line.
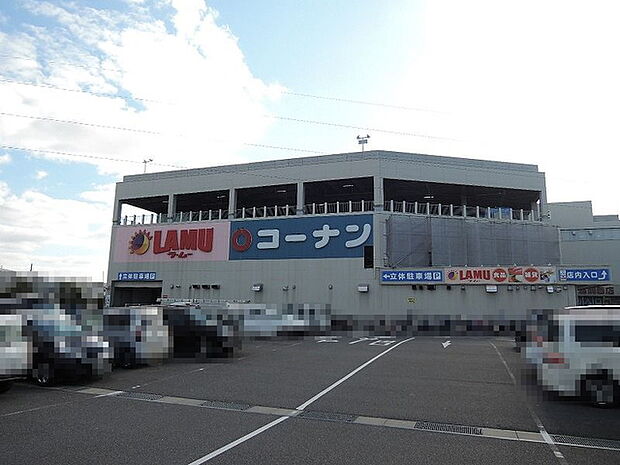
(62, 347)
(15, 353)
(262, 320)
(137, 335)
(535, 327)
(581, 355)
(202, 331)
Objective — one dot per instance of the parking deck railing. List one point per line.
(265, 212)
(467, 211)
(154, 218)
(338, 207)
(325, 208)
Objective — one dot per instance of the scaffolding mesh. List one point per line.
(436, 241)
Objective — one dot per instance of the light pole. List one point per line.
(146, 161)
(363, 140)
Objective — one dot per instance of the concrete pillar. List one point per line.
(232, 202)
(172, 206)
(534, 208)
(378, 192)
(300, 198)
(116, 216)
(544, 208)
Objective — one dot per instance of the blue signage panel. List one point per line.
(412, 276)
(137, 276)
(584, 274)
(338, 236)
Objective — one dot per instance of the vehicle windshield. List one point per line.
(598, 335)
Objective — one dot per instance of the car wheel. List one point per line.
(602, 391)
(44, 375)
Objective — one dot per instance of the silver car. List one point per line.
(583, 357)
(15, 351)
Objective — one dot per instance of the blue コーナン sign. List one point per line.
(137, 276)
(311, 237)
(412, 276)
(584, 274)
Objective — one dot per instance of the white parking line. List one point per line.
(543, 432)
(264, 428)
(223, 449)
(113, 393)
(343, 379)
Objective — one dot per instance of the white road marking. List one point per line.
(543, 432)
(446, 344)
(343, 379)
(264, 428)
(362, 339)
(229, 446)
(113, 393)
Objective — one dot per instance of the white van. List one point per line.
(137, 334)
(583, 356)
(15, 353)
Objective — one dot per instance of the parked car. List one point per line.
(581, 355)
(535, 326)
(62, 347)
(263, 320)
(15, 352)
(137, 335)
(202, 331)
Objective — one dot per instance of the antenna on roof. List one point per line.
(146, 161)
(363, 140)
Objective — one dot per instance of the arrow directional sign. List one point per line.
(446, 344)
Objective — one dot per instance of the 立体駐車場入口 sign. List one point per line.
(584, 274)
(411, 276)
(337, 236)
(137, 276)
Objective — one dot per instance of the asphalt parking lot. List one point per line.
(316, 400)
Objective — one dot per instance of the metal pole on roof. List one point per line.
(363, 140)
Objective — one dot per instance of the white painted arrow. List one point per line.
(446, 344)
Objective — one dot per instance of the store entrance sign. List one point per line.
(585, 274)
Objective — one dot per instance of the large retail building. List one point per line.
(367, 235)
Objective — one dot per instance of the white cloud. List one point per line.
(102, 193)
(194, 96)
(530, 82)
(72, 237)
(40, 174)
(198, 93)
(4, 159)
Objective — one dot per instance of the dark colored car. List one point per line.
(202, 331)
(62, 348)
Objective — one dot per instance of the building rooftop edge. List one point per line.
(336, 158)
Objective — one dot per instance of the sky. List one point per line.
(91, 89)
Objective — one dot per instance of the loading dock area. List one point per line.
(135, 293)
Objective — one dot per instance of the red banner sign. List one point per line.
(501, 275)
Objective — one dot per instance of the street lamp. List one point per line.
(363, 140)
